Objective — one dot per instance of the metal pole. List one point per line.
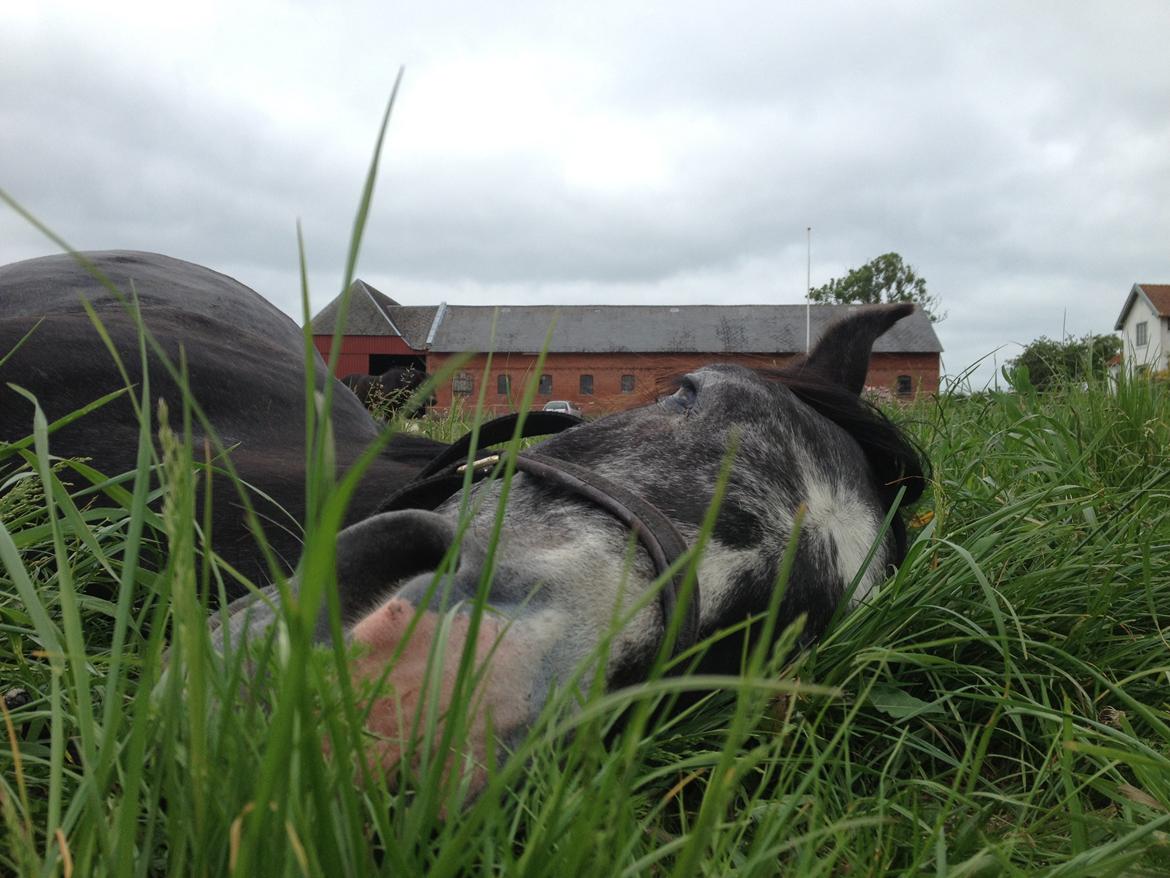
(808, 296)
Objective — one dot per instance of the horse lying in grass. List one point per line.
(558, 561)
(246, 363)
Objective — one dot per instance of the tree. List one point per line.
(1051, 362)
(885, 279)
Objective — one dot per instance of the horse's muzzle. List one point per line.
(377, 555)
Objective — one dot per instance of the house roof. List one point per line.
(659, 328)
(1157, 295)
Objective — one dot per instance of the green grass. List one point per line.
(999, 707)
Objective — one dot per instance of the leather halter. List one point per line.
(444, 476)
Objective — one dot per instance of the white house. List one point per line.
(1144, 325)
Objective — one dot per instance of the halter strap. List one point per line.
(443, 477)
(499, 430)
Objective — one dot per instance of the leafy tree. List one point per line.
(885, 279)
(1051, 362)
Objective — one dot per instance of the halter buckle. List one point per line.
(481, 464)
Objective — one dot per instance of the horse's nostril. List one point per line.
(375, 555)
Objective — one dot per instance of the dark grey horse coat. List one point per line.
(246, 363)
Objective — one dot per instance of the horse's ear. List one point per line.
(842, 354)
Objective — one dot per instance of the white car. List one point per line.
(562, 405)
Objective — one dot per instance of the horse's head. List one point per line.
(565, 567)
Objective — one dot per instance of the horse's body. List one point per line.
(390, 390)
(246, 366)
(800, 438)
(361, 384)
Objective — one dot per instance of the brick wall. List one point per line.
(651, 376)
(356, 350)
(923, 369)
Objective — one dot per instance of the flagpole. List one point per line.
(808, 296)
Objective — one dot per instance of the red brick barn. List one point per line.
(609, 357)
(379, 333)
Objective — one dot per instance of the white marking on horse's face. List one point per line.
(846, 526)
(720, 572)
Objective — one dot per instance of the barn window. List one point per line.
(627, 384)
(545, 387)
(1141, 334)
(587, 385)
(461, 384)
(905, 385)
(504, 385)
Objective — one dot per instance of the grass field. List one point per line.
(1000, 706)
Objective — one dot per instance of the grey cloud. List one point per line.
(1018, 157)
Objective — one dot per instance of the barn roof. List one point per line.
(413, 322)
(1158, 295)
(607, 328)
(660, 328)
(368, 313)
(372, 312)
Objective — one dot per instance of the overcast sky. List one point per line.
(1017, 155)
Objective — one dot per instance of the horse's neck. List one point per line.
(401, 460)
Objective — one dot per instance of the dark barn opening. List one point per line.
(379, 363)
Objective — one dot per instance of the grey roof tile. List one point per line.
(369, 313)
(661, 328)
(611, 328)
(413, 322)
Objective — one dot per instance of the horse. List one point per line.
(387, 392)
(246, 364)
(360, 384)
(804, 446)
(802, 457)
